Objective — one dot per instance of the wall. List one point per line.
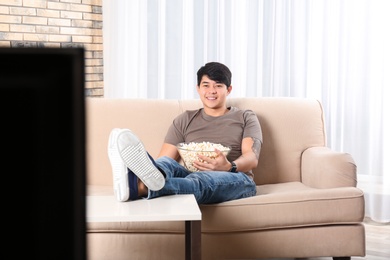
(57, 23)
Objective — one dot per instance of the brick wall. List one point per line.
(57, 23)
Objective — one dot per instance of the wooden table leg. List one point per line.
(193, 240)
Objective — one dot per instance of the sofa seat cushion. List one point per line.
(285, 205)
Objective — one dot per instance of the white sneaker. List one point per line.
(137, 159)
(119, 169)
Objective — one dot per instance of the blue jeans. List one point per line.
(207, 187)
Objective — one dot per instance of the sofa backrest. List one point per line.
(289, 126)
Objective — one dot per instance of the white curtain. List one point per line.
(337, 51)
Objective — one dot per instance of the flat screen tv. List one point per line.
(43, 152)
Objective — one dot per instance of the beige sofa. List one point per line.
(307, 203)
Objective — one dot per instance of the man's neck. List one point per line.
(215, 111)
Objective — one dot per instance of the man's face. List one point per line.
(213, 94)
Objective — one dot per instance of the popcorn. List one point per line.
(189, 152)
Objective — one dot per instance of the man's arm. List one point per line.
(250, 154)
(170, 151)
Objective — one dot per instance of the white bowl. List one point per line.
(189, 152)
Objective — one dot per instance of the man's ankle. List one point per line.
(142, 189)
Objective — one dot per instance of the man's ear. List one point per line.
(229, 89)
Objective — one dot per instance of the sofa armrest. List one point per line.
(325, 168)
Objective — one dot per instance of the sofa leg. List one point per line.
(342, 258)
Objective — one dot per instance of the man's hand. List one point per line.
(219, 163)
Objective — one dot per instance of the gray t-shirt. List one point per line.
(228, 129)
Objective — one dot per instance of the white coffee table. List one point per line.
(167, 208)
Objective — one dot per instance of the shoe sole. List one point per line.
(120, 181)
(137, 160)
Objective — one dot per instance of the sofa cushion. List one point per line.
(148, 120)
(285, 205)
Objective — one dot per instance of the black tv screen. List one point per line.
(43, 142)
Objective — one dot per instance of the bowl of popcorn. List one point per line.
(189, 152)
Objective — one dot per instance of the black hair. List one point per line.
(215, 71)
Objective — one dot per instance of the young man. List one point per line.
(136, 174)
